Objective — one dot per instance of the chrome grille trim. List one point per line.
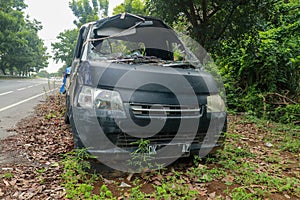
(158, 110)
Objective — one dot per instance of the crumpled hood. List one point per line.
(157, 84)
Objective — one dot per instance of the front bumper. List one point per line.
(102, 134)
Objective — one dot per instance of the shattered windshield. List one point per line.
(136, 45)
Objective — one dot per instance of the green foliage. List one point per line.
(246, 166)
(105, 193)
(263, 62)
(51, 115)
(76, 180)
(141, 157)
(43, 73)
(136, 193)
(242, 194)
(202, 174)
(209, 22)
(287, 134)
(235, 160)
(21, 51)
(7, 176)
(64, 48)
(87, 11)
(255, 44)
(137, 7)
(174, 187)
(287, 114)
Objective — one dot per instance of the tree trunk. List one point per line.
(3, 71)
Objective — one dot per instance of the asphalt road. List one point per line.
(18, 97)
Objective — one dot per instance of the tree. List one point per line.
(21, 51)
(265, 63)
(64, 49)
(87, 12)
(209, 22)
(11, 19)
(255, 43)
(43, 73)
(34, 48)
(137, 7)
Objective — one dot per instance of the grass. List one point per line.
(245, 169)
(7, 176)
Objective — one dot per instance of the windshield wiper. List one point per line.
(179, 64)
(135, 59)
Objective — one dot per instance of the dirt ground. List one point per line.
(30, 167)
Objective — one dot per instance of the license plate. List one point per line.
(176, 148)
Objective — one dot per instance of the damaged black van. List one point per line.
(132, 78)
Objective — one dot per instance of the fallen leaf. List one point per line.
(123, 184)
(157, 183)
(228, 179)
(129, 177)
(212, 195)
(6, 183)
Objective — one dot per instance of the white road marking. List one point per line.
(21, 88)
(29, 87)
(6, 93)
(25, 100)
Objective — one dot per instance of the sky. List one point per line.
(55, 16)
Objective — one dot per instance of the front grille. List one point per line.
(125, 140)
(157, 110)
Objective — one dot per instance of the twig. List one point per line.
(284, 97)
(265, 106)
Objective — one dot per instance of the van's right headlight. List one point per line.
(100, 99)
(215, 103)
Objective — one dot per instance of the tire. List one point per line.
(66, 116)
(76, 139)
(77, 142)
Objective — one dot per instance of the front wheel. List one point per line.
(76, 139)
(66, 116)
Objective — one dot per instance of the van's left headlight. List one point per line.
(108, 100)
(215, 103)
(103, 100)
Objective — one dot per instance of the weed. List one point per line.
(50, 115)
(46, 94)
(257, 175)
(241, 194)
(142, 158)
(105, 193)
(136, 193)
(174, 189)
(203, 174)
(272, 159)
(7, 176)
(197, 159)
(78, 182)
